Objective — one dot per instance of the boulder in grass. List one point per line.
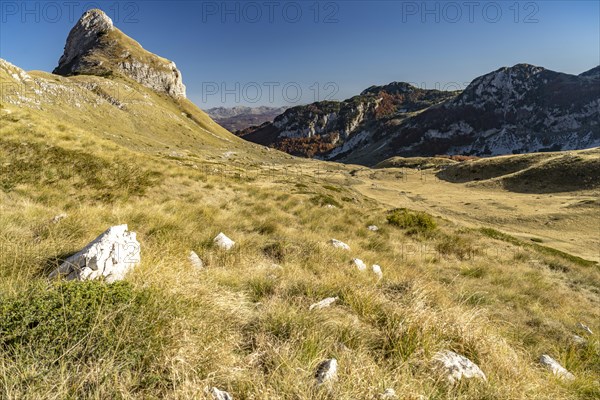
(110, 256)
(220, 394)
(358, 263)
(373, 228)
(195, 260)
(456, 367)
(377, 271)
(339, 245)
(388, 394)
(553, 366)
(223, 242)
(323, 303)
(326, 371)
(57, 218)
(585, 328)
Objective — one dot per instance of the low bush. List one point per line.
(413, 221)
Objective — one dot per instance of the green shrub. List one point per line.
(413, 221)
(83, 322)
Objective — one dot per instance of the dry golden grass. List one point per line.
(243, 323)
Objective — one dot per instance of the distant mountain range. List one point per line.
(241, 117)
(517, 109)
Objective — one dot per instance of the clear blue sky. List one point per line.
(341, 46)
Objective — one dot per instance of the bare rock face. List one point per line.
(111, 255)
(96, 47)
(455, 367)
(83, 38)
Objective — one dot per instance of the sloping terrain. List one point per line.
(532, 173)
(108, 150)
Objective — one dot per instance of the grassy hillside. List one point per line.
(243, 323)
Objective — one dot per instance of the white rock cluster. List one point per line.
(456, 367)
(110, 256)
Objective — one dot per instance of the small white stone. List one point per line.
(223, 242)
(373, 228)
(339, 245)
(579, 340)
(323, 303)
(585, 328)
(358, 263)
(195, 260)
(326, 371)
(456, 367)
(377, 271)
(389, 394)
(58, 218)
(220, 394)
(553, 366)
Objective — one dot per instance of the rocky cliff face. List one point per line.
(96, 47)
(329, 129)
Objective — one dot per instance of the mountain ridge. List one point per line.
(492, 116)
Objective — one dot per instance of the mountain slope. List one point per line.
(329, 128)
(240, 117)
(512, 110)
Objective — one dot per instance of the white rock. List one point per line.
(579, 340)
(339, 245)
(224, 242)
(358, 263)
(330, 206)
(111, 255)
(326, 371)
(195, 260)
(323, 303)
(377, 271)
(220, 394)
(389, 394)
(456, 367)
(373, 228)
(553, 366)
(585, 328)
(58, 218)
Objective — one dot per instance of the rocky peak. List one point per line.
(391, 88)
(96, 47)
(502, 87)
